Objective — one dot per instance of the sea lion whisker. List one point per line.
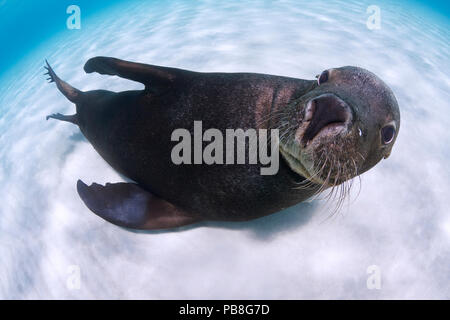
(318, 171)
(337, 192)
(283, 135)
(277, 114)
(362, 157)
(335, 189)
(324, 184)
(351, 181)
(308, 183)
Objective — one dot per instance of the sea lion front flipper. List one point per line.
(68, 118)
(127, 205)
(153, 77)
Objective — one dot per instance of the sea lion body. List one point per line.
(331, 130)
(132, 132)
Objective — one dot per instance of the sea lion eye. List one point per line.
(387, 133)
(323, 77)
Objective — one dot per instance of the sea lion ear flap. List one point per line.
(127, 205)
(387, 154)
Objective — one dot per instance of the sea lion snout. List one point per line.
(347, 123)
(327, 114)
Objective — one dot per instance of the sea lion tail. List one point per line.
(66, 89)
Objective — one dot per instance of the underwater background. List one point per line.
(52, 246)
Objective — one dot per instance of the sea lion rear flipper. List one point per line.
(127, 205)
(71, 93)
(153, 77)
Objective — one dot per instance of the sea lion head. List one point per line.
(340, 128)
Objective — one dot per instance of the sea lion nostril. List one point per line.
(323, 111)
(309, 111)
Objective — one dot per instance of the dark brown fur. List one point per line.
(132, 130)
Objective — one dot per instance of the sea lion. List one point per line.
(331, 130)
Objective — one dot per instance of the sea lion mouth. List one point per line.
(326, 118)
(325, 114)
(296, 165)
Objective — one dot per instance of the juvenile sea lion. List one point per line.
(331, 130)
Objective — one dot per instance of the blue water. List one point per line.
(26, 24)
